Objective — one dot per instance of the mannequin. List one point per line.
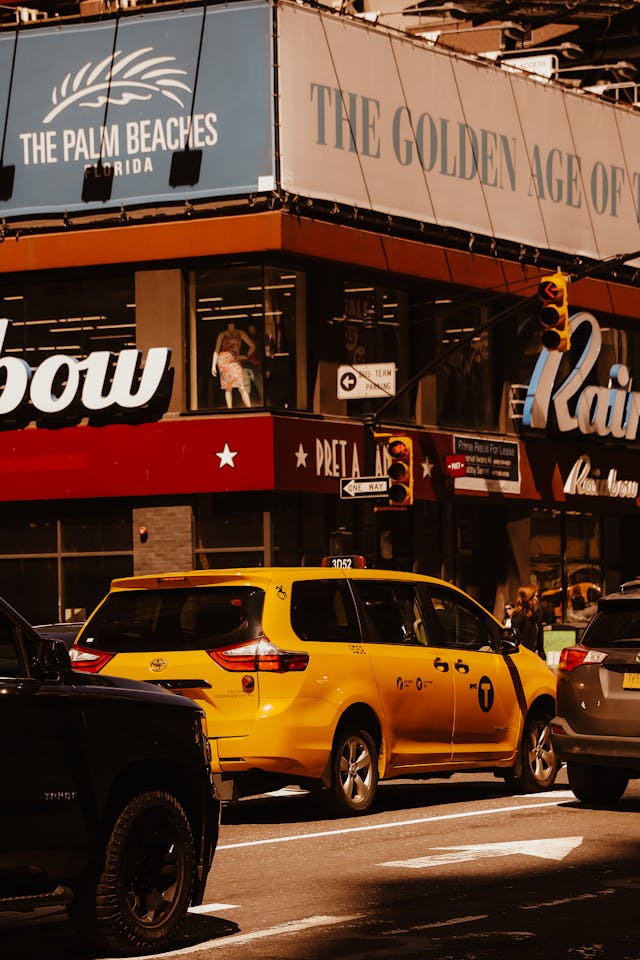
(228, 362)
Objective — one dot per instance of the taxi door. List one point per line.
(487, 716)
(414, 683)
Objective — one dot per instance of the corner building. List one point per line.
(210, 212)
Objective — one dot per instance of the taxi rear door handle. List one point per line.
(441, 665)
(461, 666)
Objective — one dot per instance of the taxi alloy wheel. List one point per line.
(539, 760)
(355, 771)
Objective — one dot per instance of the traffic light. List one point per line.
(554, 312)
(400, 471)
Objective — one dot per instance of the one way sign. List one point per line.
(363, 487)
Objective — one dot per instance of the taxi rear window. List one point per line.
(144, 621)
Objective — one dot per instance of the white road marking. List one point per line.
(554, 848)
(558, 797)
(214, 907)
(560, 903)
(292, 926)
(439, 923)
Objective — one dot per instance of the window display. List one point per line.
(242, 329)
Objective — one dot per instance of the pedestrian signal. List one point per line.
(554, 312)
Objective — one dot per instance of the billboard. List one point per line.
(130, 91)
(386, 122)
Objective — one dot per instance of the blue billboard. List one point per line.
(128, 93)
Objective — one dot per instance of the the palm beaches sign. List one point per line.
(129, 92)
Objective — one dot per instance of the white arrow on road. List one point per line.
(554, 848)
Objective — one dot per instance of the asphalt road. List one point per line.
(442, 869)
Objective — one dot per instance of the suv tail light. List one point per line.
(572, 657)
(89, 661)
(259, 654)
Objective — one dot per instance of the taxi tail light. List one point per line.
(260, 655)
(572, 657)
(89, 661)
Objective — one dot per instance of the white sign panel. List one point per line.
(362, 380)
(363, 487)
(389, 123)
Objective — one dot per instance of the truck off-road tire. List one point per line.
(354, 769)
(143, 890)
(600, 786)
(538, 764)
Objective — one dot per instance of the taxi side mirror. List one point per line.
(509, 640)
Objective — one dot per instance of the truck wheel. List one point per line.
(143, 891)
(539, 764)
(597, 785)
(354, 772)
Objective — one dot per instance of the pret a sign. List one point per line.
(575, 402)
(100, 382)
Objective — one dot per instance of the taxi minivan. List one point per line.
(333, 677)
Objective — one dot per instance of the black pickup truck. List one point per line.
(106, 798)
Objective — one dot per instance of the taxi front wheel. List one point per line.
(538, 766)
(354, 771)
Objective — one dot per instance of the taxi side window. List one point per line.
(461, 626)
(392, 612)
(324, 610)
(10, 658)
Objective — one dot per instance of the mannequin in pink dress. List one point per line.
(228, 362)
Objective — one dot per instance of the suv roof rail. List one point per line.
(630, 585)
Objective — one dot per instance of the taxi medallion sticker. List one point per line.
(485, 694)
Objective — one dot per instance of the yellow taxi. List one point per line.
(333, 677)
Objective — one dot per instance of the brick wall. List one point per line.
(169, 541)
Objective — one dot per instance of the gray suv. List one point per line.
(597, 727)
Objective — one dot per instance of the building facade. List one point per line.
(211, 213)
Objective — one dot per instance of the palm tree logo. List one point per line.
(118, 80)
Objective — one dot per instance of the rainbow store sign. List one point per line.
(101, 381)
(607, 411)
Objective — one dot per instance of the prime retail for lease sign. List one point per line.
(386, 122)
(130, 91)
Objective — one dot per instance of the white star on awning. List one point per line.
(301, 456)
(226, 457)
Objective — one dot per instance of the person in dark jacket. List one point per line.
(527, 620)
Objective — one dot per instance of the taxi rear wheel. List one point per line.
(354, 771)
(539, 762)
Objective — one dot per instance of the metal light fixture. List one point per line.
(622, 68)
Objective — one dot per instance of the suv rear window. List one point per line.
(143, 621)
(617, 624)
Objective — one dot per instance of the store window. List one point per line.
(230, 532)
(465, 376)
(373, 330)
(68, 314)
(56, 567)
(243, 323)
(566, 565)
